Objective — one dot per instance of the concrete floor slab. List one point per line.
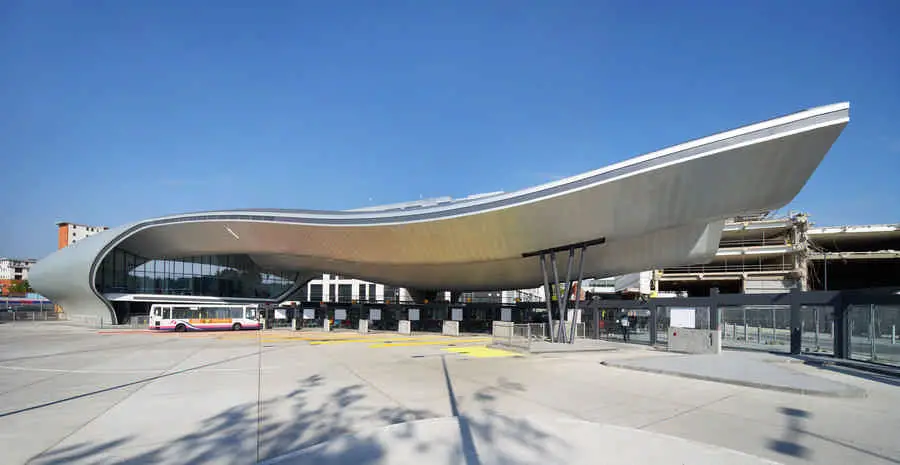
(230, 398)
(751, 369)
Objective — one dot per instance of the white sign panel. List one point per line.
(309, 314)
(682, 317)
(456, 314)
(340, 314)
(374, 313)
(577, 316)
(280, 314)
(505, 314)
(413, 314)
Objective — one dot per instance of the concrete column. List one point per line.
(714, 309)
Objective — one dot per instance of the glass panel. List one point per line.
(887, 323)
(123, 272)
(817, 329)
(873, 333)
(345, 292)
(315, 292)
(761, 327)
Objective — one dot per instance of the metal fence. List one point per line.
(518, 335)
(873, 333)
(764, 327)
(31, 316)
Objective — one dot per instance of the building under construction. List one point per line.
(765, 254)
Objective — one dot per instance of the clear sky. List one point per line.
(114, 111)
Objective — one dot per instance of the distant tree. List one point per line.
(20, 287)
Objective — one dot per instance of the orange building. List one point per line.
(70, 233)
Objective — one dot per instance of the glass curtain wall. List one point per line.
(208, 275)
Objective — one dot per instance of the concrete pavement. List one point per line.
(71, 395)
(754, 369)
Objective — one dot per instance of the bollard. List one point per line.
(326, 326)
(759, 334)
(294, 325)
(893, 334)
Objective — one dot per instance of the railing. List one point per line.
(729, 267)
(518, 336)
(32, 316)
(753, 242)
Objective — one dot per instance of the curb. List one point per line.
(861, 366)
(847, 392)
(528, 351)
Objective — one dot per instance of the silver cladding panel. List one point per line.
(666, 208)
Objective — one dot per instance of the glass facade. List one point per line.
(208, 275)
(315, 293)
(345, 292)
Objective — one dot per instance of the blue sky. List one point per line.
(116, 111)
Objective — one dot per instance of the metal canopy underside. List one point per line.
(662, 209)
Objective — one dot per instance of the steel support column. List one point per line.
(796, 321)
(564, 303)
(654, 315)
(577, 295)
(841, 329)
(547, 296)
(556, 293)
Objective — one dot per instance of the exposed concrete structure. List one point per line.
(763, 254)
(854, 257)
(666, 208)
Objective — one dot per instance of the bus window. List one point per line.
(182, 313)
(251, 314)
(235, 312)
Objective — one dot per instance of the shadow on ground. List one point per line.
(795, 431)
(320, 414)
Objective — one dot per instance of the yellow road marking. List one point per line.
(433, 342)
(352, 341)
(482, 352)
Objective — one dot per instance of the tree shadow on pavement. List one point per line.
(313, 415)
(230, 437)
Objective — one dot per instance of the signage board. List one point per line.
(682, 317)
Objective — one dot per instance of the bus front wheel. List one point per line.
(180, 328)
(236, 327)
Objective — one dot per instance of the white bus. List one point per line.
(203, 317)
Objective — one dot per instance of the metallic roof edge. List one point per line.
(755, 133)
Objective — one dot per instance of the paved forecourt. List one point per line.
(74, 395)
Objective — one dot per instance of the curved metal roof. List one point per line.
(665, 208)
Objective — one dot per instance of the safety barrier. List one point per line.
(32, 316)
(513, 335)
(450, 328)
